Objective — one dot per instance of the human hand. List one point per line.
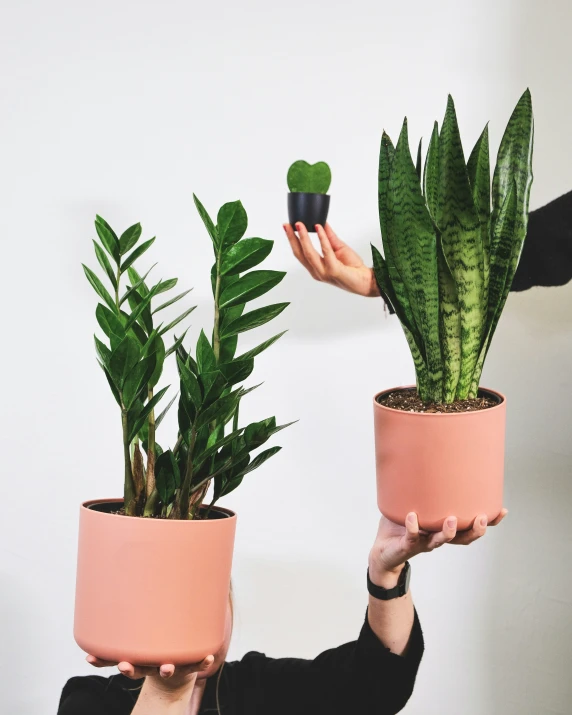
(339, 265)
(167, 678)
(395, 544)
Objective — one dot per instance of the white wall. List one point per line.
(124, 108)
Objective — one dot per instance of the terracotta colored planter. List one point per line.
(440, 465)
(152, 591)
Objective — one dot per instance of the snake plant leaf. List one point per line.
(108, 238)
(260, 348)
(129, 238)
(431, 174)
(208, 222)
(99, 288)
(206, 359)
(461, 240)
(105, 264)
(309, 178)
(244, 255)
(232, 223)
(253, 319)
(137, 253)
(413, 244)
(418, 163)
(514, 161)
(450, 327)
(386, 157)
(478, 168)
(250, 286)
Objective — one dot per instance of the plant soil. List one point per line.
(121, 512)
(409, 401)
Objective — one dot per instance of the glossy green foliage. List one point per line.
(309, 178)
(449, 258)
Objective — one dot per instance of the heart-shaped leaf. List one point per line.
(309, 178)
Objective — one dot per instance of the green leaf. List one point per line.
(177, 321)
(167, 475)
(206, 359)
(123, 359)
(110, 323)
(103, 352)
(449, 326)
(142, 305)
(138, 380)
(108, 238)
(160, 418)
(231, 223)
(217, 445)
(209, 225)
(412, 242)
(253, 319)
(137, 253)
(250, 286)
(138, 284)
(419, 159)
(462, 247)
(105, 264)
(99, 288)
(114, 390)
(175, 346)
(259, 460)
(213, 384)
(431, 174)
(129, 238)
(173, 300)
(244, 255)
(159, 355)
(166, 285)
(145, 412)
(260, 348)
(309, 178)
(190, 383)
(237, 370)
(479, 172)
(220, 411)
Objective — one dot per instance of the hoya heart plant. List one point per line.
(308, 200)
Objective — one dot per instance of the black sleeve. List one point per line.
(96, 695)
(360, 677)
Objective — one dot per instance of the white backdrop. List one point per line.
(125, 108)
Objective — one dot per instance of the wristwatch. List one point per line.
(386, 594)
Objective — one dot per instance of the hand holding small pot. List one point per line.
(308, 200)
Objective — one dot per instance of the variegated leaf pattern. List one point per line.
(449, 259)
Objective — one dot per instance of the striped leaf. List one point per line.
(431, 173)
(458, 222)
(450, 327)
(413, 240)
(478, 168)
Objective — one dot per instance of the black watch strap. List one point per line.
(386, 594)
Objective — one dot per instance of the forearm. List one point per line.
(154, 701)
(392, 620)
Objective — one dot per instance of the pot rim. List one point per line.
(306, 193)
(118, 500)
(501, 404)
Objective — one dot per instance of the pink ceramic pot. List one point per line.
(152, 591)
(440, 465)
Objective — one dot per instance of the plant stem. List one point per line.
(216, 328)
(117, 279)
(129, 499)
(151, 493)
(186, 488)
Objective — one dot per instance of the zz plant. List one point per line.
(449, 256)
(173, 483)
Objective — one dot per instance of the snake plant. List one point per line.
(449, 256)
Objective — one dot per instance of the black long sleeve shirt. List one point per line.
(359, 678)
